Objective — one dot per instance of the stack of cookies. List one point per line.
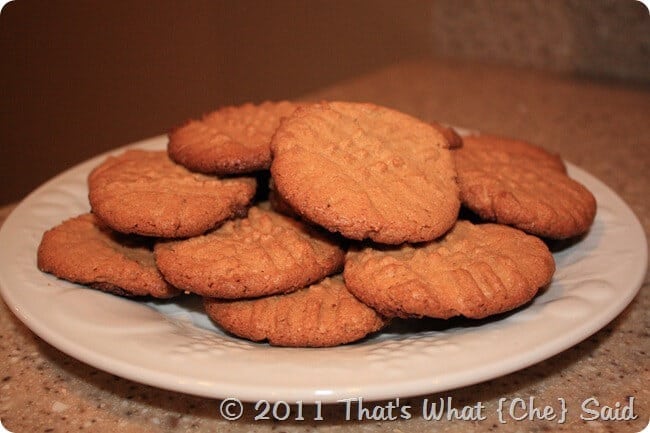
(312, 225)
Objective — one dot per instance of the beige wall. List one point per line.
(80, 77)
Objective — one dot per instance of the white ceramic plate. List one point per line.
(173, 345)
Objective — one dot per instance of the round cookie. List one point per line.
(85, 251)
(262, 254)
(145, 193)
(366, 172)
(231, 140)
(474, 271)
(321, 315)
(516, 183)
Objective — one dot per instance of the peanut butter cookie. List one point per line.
(231, 140)
(83, 250)
(366, 172)
(265, 253)
(321, 315)
(474, 271)
(516, 183)
(145, 193)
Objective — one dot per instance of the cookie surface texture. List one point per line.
(264, 253)
(85, 251)
(321, 315)
(516, 183)
(144, 192)
(473, 271)
(230, 140)
(366, 172)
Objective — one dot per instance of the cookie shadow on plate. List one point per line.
(557, 245)
(187, 302)
(399, 326)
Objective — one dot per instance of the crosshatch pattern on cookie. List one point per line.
(262, 254)
(474, 271)
(519, 184)
(321, 315)
(83, 250)
(366, 172)
(230, 140)
(145, 193)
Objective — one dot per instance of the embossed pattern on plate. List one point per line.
(173, 345)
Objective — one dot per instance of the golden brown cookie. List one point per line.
(366, 172)
(144, 192)
(321, 315)
(455, 141)
(230, 140)
(263, 254)
(474, 271)
(83, 250)
(519, 184)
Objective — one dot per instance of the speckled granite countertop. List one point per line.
(599, 126)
